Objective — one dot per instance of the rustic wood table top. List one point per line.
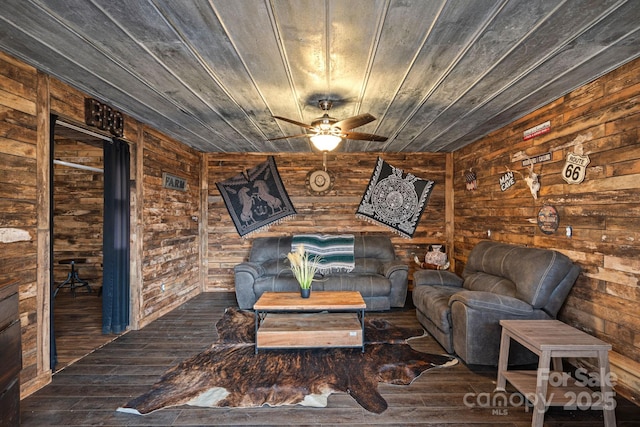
(320, 300)
(552, 335)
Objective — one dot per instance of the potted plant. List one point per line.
(304, 267)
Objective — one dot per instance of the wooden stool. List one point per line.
(553, 340)
(73, 281)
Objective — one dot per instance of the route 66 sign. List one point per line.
(575, 168)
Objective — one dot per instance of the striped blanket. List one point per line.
(336, 251)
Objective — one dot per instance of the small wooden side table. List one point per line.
(553, 340)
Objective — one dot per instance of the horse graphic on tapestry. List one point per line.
(263, 193)
(246, 201)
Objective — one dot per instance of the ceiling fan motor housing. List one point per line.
(332, 129)
(324, 123)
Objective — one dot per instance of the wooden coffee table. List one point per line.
(325, 319)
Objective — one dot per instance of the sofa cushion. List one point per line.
(367, 246)
(490, 283)
(369, 285)
(491, 302)
(437, 277)
(368, 266)
(433, 301)
(269, 248)
(284, 282)
(275, 266)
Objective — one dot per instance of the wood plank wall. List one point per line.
(165, 240)
(18, 198)
(604, 210)
(78, 198)
(171, 252)
(333, 212)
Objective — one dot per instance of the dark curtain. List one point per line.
(115, 285)
(53, 351)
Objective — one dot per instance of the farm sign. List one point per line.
(173, 182)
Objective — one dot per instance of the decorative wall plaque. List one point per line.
(319, 181)
(575, 168)
(103, 117)
(471, 180)
(548, 219)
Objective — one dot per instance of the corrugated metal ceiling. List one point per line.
(437, 74)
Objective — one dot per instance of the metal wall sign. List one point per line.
(103, 117)
(173, 182)
(507, 181)
(537, 159)
(575, 168)
(536, 130)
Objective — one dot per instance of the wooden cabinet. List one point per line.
(10, 355)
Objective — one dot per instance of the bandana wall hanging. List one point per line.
(394, 200)
(257, 199)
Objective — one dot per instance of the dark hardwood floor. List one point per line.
(78, 325)
(89, 391)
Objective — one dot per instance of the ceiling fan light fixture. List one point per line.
(325, 142)
(326, 132)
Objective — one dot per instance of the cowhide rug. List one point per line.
(230, 374)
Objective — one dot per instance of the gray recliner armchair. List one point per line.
(499, 281)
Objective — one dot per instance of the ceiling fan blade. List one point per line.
(287, 137)
(354, 122)
(295, 122)
(364, 136)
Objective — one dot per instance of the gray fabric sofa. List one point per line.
(499, 281)
(378, 275)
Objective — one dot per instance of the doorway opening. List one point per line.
(77, 246)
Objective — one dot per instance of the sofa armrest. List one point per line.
(252, 268)
(490, 302)
(389, 267)
(437, 277)
(245, 275)
(398, 274)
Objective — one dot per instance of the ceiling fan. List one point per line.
(326, 132)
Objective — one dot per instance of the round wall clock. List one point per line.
(319, 181)
(548, 219)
